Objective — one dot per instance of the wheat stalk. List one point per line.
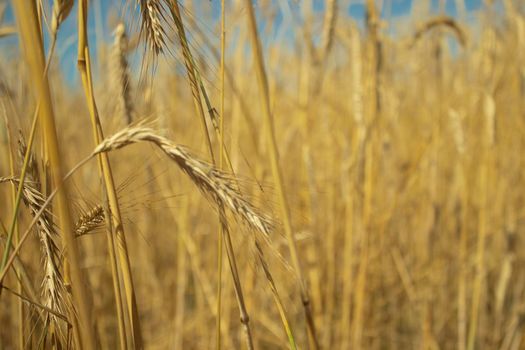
(27, 18)
(117, 243)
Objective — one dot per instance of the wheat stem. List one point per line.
(119, 240)
(221, 160)
(276, 171)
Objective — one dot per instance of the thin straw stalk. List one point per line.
(119, 244)
(276, 171)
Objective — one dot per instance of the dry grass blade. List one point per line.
(277, 171)
(216, 184)
(116, 243)
(37, 305)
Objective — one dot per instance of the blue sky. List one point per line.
(395, 11)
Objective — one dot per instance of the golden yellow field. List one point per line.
(262, 175)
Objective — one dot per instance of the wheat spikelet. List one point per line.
(151, 12)
(90, 221)
(217, 185)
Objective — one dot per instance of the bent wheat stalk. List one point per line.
(219, 186)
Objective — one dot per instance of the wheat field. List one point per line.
(303, 174)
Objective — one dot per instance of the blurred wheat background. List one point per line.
(298, 174)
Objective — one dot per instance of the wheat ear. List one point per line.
(53, 287)
(120, 74)
(219, 186)
(151, 26)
